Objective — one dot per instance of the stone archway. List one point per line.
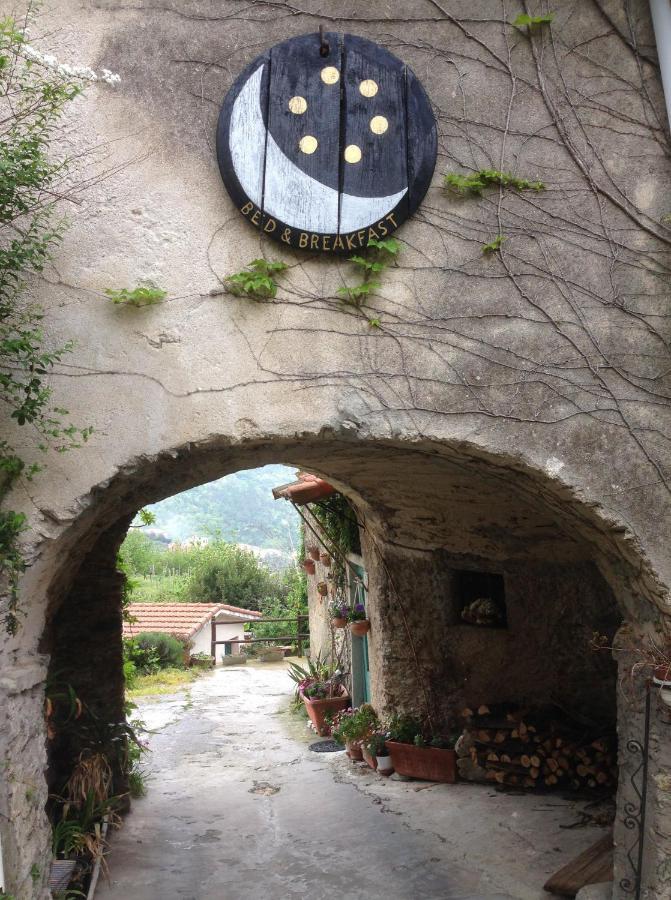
(425, 505)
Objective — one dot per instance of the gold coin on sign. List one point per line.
(298, 105)
(352, 153)
(330, 75)
(308, 144)
(368, 88)
(378, 124)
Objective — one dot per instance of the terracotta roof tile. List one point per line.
(180, 619)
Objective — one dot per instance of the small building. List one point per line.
(192, 622)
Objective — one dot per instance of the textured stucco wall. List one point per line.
(504, 398)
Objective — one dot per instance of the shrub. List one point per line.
(169, 650)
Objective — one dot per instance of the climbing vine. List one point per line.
(35, 90)
(147, 294)
(257, 280)
(475, 182)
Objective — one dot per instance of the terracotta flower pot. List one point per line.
(338, 622)
(370, 759)
(325, 558)
(309, 566)
(317, 710)
(323, 588)
(427, 763)
(354, 750)
(360, 628)
(314, 552)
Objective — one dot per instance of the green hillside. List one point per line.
(239, 507)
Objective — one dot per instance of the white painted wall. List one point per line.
(226, 631)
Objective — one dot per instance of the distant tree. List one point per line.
(291, 602)
(140, 553)
(225, 573)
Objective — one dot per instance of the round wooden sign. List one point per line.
(327, 143)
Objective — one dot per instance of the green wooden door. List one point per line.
(360, 666)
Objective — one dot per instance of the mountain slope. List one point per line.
(239, 507)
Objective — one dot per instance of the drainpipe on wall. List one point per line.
(661, 22)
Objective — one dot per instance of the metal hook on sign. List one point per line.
(324, 48)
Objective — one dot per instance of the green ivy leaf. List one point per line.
(530, 21)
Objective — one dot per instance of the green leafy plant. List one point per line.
(144, 294)
(525, 20)
(139, 659)
(167, 649)
(66, 838)
(257, 280)
(404, 729)
(375, 744)
(494, 244)
(354, 724)
(476, 182)
(379, 254)
(407, 729)
(355, 295)
(339, 522)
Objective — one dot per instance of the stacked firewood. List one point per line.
(539, 748)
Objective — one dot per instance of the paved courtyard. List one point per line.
(238, 808)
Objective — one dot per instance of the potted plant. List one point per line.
(322, 699)
(318, 686)
(418, 753)
(322, 588)
(313, 551)
(376, 754)
(339, 614)
(325, 559)
(201, 660)
(352, 726)
(359, 625)
(309, 565)
(271, 654)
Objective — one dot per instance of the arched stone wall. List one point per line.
(417, 501)
(537, 375)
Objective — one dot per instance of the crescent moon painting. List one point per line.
(327, 145)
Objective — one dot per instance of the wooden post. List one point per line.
(213, 643)
(300, 622)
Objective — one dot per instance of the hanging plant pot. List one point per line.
(360, 628)
(314, 552)
(309, 566)
(338, 622)
(323, 588)
(325, 558)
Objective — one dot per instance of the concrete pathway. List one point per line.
(238, 808)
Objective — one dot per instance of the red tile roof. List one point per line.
(307, 489)
(180, 619)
